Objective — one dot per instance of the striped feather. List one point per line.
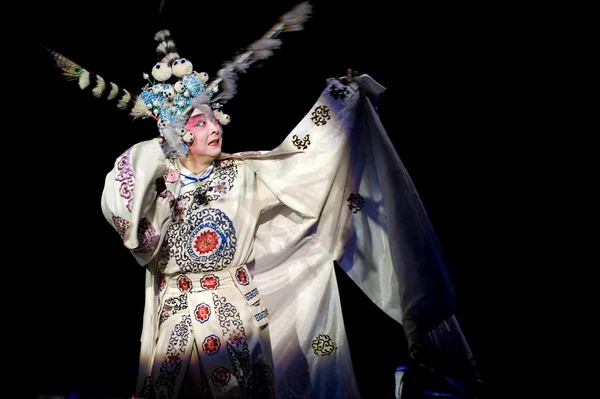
(95, 84)
(166, 48)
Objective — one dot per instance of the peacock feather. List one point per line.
(99, 88)
(70, 69)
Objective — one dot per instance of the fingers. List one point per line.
(346, 80)
(160, 140)
(349, 74)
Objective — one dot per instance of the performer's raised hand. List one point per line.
(350, 74)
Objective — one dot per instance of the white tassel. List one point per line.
(170, 58)
(160, 35)
(100, 86)
(84, 79)
(166, 49)
(162, 47)
(139, 109)
(113, 91)
(124, 100)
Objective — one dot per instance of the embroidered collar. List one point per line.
(188, 177)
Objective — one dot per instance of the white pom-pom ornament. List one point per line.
(182, 67)
(179, 87)
(225, 119)
(169, 94)
(203, 76)
(188, 137)
(161, 71)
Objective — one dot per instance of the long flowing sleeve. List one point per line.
(295, 248)
(138, 204)
(345, 197)
(135, 200)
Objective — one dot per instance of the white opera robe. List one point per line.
(244, 254)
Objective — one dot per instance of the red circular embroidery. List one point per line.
(206, 241)
(221, 376)
(241, 276)
(202, 312)
(209, 282)
(211, 345)
(184, 283)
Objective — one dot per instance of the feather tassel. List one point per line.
(140, 110)
(85, 79)
(173, 145)
(114, 90)
(295, 19)
(70, 69)
(200, 99)
(100, 86)
(125, 101)
(261, 49)
(166, 49)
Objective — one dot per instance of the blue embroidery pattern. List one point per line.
(204, 242)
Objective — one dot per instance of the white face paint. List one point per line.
(208, 135)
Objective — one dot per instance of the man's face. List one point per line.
(207, 133)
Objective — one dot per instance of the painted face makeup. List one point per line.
(208, 135)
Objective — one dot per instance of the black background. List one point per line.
(446, 73)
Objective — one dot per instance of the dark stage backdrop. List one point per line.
(439, 103)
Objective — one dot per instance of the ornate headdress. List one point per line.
(174, 88)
